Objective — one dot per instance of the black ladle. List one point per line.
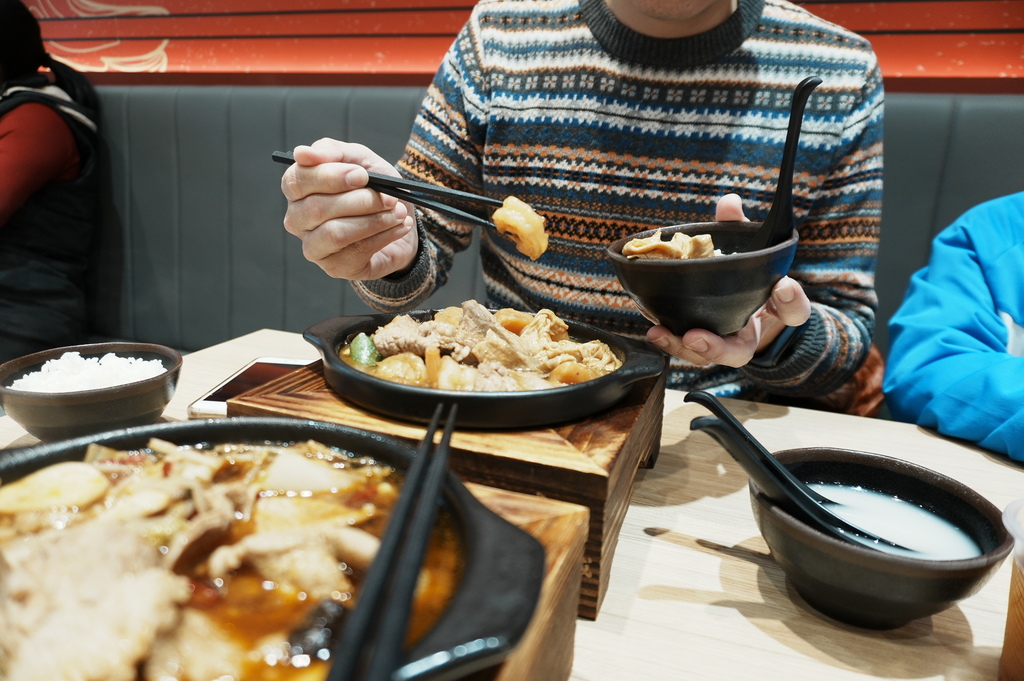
(778, 226)
(774, 479)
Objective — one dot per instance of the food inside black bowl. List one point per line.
(505, 369)
(236, 549)
(716, 292)
(884, 588)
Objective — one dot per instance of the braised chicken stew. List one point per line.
(469, 348)
(190, 563)
(679, 247)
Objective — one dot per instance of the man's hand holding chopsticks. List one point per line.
(349, 230)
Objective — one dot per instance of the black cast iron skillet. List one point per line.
(480, 409)
(503, 566)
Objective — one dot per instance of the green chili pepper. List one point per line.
(364, 351)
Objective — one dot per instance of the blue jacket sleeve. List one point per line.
(949, 367)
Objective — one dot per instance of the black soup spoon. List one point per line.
(775, 480)
(778, 226)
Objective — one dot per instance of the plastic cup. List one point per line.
(1011, 663)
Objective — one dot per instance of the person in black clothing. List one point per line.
(49, 195)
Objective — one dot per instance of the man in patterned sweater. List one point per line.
(614, 116)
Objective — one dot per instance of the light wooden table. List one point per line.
(693, 593)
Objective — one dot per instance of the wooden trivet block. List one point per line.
(545, 652)
(591, 462)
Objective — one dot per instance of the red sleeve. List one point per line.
(36, 147)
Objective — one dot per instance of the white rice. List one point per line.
(71, 372)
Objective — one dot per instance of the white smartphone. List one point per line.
(256, 373)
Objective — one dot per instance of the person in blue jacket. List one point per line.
(956, 357)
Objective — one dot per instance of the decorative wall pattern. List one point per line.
(971, 46)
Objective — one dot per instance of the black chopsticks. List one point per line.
(420, 193)
(370, 645)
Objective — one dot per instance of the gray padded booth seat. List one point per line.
(192, 251)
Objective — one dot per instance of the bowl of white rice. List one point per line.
(84, 389)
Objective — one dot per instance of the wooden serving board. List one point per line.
(591, 462)
(545, 652)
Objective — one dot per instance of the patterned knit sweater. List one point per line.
(607, 132)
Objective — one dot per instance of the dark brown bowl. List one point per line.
(480, 409)
(503, 566)
(718, 294)
(871, 588)
(55, 416)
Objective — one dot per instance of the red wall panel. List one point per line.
(928, 45)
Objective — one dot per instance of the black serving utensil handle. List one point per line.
(774, 479)
(773, 483)
(778, 226)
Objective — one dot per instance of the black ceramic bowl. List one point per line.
(480, 409)
(867, 587)
(503, 566)
(718, 294)
(58, 415)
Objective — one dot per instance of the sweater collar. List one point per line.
(624, 43)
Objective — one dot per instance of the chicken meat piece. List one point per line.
(594, 355)
(310, 558)
(679, 247)
(546, 327)
(476, 321)
(96, 622)
(487, 340)
(7, 639)
(501, 349)
(205, 529)
(496, 377)
(196, 649)
(405, 334)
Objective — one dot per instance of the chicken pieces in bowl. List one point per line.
(232, 549)
(470, 348)
(504, 368)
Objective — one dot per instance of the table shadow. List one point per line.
(941, 645)
(687, 471)
(696, 466)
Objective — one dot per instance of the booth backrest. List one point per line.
(943, 155)
(192, 251)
